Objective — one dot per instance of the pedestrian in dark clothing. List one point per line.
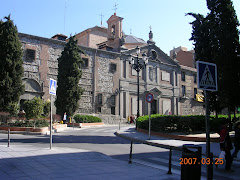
(236, 140)
(226, 145)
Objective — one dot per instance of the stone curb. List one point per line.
(179, 137)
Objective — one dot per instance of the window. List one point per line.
(30, 55)
(112, 100)
(113, 110)
(99, 109)
(153, 54)
(84, 64)
(183, 76)
(151, 73)
(99, 99)
(112, 68)
(195, 92)
(113, 30)
(165, 76)
(176, 79)
(195, 78)
(183, 90)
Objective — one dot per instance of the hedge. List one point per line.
(86, 119)
(31, 123)
(170, 123)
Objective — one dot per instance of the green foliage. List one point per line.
(47, 108)
(86, 119)
(34, 108)
(13, 108)
(4, 117)
(36, 123)
(69, 74)
(216, 39)
(11, 69)
(190, 123)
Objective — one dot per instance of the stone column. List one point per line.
(127, 100)
(127, 69)
(158, 75)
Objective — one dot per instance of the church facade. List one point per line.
(108, 80)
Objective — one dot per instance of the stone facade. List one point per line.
(109, 82)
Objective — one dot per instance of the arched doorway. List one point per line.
(32, 89)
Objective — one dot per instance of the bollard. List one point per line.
(170, 161)
(8, 137)
(130, 156)
(119, 125)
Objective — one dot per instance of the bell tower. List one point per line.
(114, 32)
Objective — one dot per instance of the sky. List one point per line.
(167, 18)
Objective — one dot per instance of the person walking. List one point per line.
(64, 118)
(236, 140)
(226, 145)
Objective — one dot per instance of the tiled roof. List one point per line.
(129, 39)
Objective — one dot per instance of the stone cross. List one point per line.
(101, 18)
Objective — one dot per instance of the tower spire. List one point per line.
(150, 41)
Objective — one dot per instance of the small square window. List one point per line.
(112, 68)
(30, 55)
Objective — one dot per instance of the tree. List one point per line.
(34, 108)
(216, 39)
(11, 69)
(68, 91)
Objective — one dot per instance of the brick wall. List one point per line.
(185, 58)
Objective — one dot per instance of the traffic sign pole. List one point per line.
(52, 92)
(207, 81)
(51, 123)
(149, 133)
(207, 133)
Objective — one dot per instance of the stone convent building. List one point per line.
(109, 82)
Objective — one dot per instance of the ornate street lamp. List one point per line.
(137, 64)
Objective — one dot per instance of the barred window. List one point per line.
(30, 55)
(113, 100)
(112, 68)
(99, 99)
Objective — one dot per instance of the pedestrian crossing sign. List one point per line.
(52, 86)
(207, 76)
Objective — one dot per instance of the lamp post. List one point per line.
(138, 65)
